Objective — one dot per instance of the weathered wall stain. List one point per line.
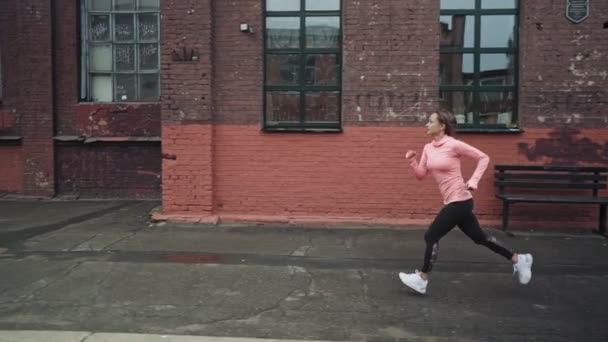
(96, 120)
(565, 101)
(565, 146)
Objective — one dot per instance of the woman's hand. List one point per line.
(409, 155)
(471, 186)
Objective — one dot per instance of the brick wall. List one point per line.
(564, 71)
(35, 100)
(108, 170)
(187, 106)
(11, 174)
(390, 81)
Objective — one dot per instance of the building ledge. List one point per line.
(89, 140)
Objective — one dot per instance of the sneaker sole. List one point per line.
(421, 291)
(531, 262)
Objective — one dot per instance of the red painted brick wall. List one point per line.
(361, 176)
(11, 174)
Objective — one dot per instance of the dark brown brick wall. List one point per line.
(109, 170)
(35, 99)
(564, 68)
(186, 61)
(66, 49)
(391, 58)
(238, 70)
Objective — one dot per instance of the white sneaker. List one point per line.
(523, 268)
(414, 281)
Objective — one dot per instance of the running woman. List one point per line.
(441, 158)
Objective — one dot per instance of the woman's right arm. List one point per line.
(420, 170)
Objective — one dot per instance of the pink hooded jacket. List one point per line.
(442, 159)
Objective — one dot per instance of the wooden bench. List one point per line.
(521, 183)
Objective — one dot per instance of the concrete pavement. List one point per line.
(107, 269)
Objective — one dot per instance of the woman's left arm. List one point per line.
(482, 161)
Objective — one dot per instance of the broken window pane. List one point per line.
(125, 87)
(150, 90)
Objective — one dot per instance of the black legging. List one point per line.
(457, 214)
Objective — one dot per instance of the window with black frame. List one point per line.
(302, 57)
(478, 62)
(120, 50)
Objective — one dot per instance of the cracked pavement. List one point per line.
(106, 268)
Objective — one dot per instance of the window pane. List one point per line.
(100, 58)
(283, 33)
(125, 87)
(497, 69)
(148, 56)
(149, 87)
(282, 5)
(460, 103)
(147, 5)
(322, 5)
(322, 32)
(99, 27)
(458, 4)
(124, 57)
(99, 5)
(322, 69)
(101, 88)
(123, 27)
(282, 69)
(498, 31)
(496, 107)
(282, 107)
(148, 27)
(499, 4)
(124, 5)
(456, 68)
(322, 106)
(457, 31)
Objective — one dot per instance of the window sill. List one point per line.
(132, 103)
(10, 139)
(85, 140)
(481, 130)
(301, 130)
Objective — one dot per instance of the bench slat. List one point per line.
(549, 185)
(551, 168)
(573, 177)
(553, 199)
